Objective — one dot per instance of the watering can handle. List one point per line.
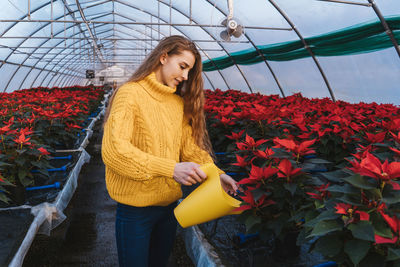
(212, 174)
(210, 170)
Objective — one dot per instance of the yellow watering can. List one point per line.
(207, 202)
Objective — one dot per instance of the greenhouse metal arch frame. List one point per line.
(65, 76)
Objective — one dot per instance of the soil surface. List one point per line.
(13, 228)
(86, 237)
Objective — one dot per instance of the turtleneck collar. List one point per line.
(155, 88)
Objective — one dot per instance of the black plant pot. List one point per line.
(286, 248)
(17, 194)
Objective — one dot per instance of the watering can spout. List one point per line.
(207, 202)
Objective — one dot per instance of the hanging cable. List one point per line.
(190, 12)
(29, 9)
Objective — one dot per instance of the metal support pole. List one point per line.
(307, 48)
(170, 16)
(69, 47)
(65, 29)
(190, 11)
(208, 79)
(385, 26)
(90, 32)
(145, 23)
(51, 15)
(158, 20)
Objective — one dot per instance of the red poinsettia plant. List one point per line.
(35, 122)
(275, 185)
(356, 220)
(328, 168)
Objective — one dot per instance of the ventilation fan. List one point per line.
(233, 28)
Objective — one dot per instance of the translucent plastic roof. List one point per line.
(53, 43)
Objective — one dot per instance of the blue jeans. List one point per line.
(145, 235)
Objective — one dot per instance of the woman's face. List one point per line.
(175, 68)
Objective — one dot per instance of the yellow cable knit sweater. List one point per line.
(144, 137)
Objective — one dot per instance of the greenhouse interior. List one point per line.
(290, 132)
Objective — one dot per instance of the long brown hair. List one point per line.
(191, 90)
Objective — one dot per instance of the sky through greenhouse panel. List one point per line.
(29, 79)
(365, 77)
(17, 58)
(261, 79)
(388, 7)
(18, 77)
(217, 80)
(7, 71)
(319, 17)
(39, 79)
(300, 76)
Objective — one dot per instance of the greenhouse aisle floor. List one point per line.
(86, 237)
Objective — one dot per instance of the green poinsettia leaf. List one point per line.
(319, 204)
(381, 145)
(318, 161)
(345, 189)
(302, 237)
(251, 221)
(335, 176)
(21, 151)
(362, 230)
(37, 164)
(3, 164)
(309, 166)
(324, 227)
(361, 181)
(323, 216)
(376, 192)
(390, 196)
(258, 193)
(4, 198)
(393, 254)
(350, 199)
(329, 245)
(25, 180)
(44, 172)
(4, 182)
(22, 173)
(356, 250)
(380, 226)
(20, 161)
(291, 187)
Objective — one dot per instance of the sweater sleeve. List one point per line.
(119, 153)
(190, 151)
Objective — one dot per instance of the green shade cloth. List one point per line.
(361, 38)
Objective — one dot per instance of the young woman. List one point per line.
(155, 139)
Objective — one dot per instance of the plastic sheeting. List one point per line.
(198, 248)
(50, 44)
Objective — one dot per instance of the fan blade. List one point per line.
(238, 32)
(225, 36)
(223, 23)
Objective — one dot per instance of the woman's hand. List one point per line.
(188, 173)
(228, 184)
